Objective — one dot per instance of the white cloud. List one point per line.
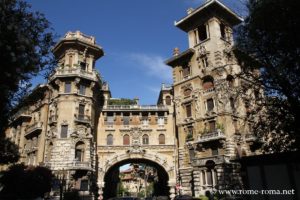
(153, 65)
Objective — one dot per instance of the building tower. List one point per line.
(75, 100)
(210, 117)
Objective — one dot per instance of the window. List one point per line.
(83, 66)
(79, 151)
(187, 92)
(222, 30)
(209, 177)
(214, 151)
(81, 112)
(82, 89)
(190, 130)
(230, 80)
(145, 139)
(235, 125)
(188, 110)
(84, 185)
(110, 120)
(212, 126)
(203, 177)
(208, 82)
(232, 103)
(64, 131)
(168, 100)
(145, 121)
(126, 140)
(70, 60)
(67, 87)
(126, 120)
(202, 32)
(109, 139)
(186, 71)
(161, 120)
(210, 104)
(204, 61)
(161, 139)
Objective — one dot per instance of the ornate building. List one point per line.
(211, 116)
(74, 127)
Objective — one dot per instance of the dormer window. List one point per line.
(186, 71)
(202, 32)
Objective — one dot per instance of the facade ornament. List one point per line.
(202, 51)
(77, 80)
(136, 149)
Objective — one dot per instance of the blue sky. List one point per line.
(137, 37)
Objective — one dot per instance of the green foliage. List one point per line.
(25, 50)
(202, 197)
(121, 101)
(220, 126)
(8, 151)
(189, 136)
(25, 182)
(269, 43)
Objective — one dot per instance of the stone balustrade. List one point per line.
(216, 135)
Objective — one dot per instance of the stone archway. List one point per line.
(167, 174)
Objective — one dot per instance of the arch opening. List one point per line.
(148, 180)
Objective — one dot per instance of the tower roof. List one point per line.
(211, 7)
(78, 39)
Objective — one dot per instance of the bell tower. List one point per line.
(210, 117)
(75, 101)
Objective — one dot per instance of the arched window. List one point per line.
(161, 139)
(109, 139)
(126, 140)
(168, 100)
(208, 82)
(79, 151)
(145, 139)
(230, 80)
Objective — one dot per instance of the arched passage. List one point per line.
(111, 178)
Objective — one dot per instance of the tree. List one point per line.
(268, 49)
(25, 182)
(25, 51)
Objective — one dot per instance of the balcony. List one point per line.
(80, 165)
(208, 91)
(34, 128)
(135, 107)
(85, 119)
(216, 159)
(21, 115)
(207, 137)
(30, 150)
(71, 72)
